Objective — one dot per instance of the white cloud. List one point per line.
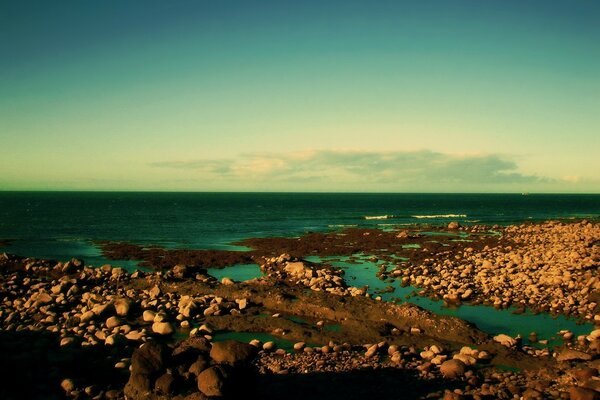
(342, 169)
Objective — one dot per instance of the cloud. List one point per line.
(394, 170)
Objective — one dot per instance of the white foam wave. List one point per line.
(440, 216)
(378, 216)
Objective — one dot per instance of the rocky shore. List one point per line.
(70, 330)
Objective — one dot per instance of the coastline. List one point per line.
(351, 330)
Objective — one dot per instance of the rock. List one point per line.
(579, 393)
(150, 358)
(227, 281)
(165, 383)
(67, 385)
(113, 322)
(122, 306)
(532, 394)
(505, 340)
(584, 374)
(199, 365)
(268, 346)
(148, 316)
(453, 225)
(232, 352)
(154, 292)
(453, 369)
(299, 346)
(66, 341)
(146, 363)
(213, 381)
(179, 271)
(162, 328)
(573, 355)
(87, 316)
(595, 334)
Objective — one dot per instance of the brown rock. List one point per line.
(453, 368)
(232, 352)
(165, 383)
(573, 355)
(213, 381)
(578, 393)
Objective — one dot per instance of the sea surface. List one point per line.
(62, 225)
(65, 224)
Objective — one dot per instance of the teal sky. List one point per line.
(432, 96)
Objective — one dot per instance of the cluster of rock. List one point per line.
(193, 369)
(317, 277)
(89, 306)
(550, 267)
(467, 368)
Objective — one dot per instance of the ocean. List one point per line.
(62, 225)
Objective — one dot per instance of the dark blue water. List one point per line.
(64, 224)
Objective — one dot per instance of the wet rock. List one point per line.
(232, 352)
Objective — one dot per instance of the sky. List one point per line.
(351, 96)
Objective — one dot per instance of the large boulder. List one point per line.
(232, 352)
(453, 368)
(214, 381)
(146, 364)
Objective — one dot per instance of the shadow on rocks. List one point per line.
(359, 384)
(34, 365)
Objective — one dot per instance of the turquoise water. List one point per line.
(488, 319)
(238, 272)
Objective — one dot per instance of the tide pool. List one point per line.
(359, 271)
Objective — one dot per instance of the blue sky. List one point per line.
(478, 96)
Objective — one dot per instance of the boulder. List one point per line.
(148, 316)
(505, 340)
(165, 383)
(122, 306)
(201, 363)
(453, 368)
(162, 328)
(113, 322)
(214, 381)
(146, 364)
(232, 352)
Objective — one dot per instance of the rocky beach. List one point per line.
(301, 328)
